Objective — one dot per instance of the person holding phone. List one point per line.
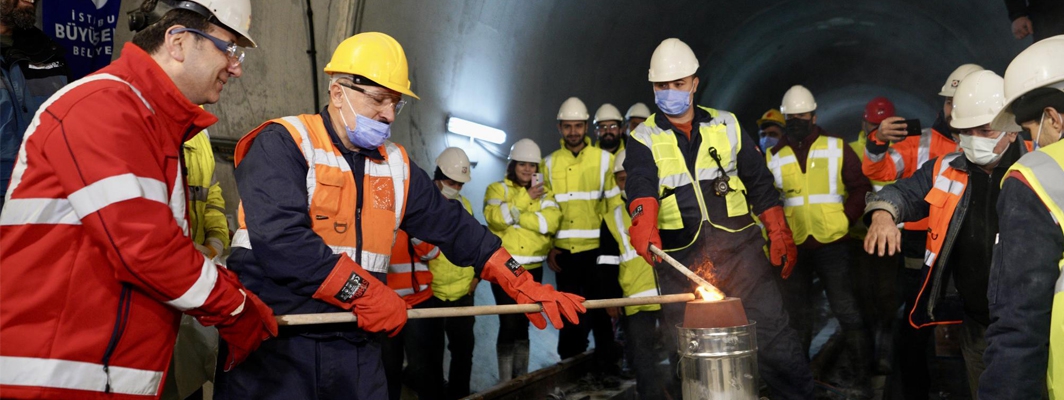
(523, 213)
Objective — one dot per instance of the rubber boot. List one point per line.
(505, 356)
(860, 348)
(520, 358)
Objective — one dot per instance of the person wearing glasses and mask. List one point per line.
(322, 197)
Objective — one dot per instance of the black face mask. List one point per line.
(798, 128)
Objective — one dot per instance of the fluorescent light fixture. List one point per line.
(475, 130)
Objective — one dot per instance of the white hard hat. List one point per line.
(525, 150)
(797, 100)
(607, 112)
(1040, 65)
(672, 60)
(232, 14)
(618, 161)
(572, 110)
(637, 110)
(956, 77)
(978, 99)
(454, 163)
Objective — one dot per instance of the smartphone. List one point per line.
(537, 178)
(912, 127)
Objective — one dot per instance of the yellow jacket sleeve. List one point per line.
(214, 222)
(494, 199)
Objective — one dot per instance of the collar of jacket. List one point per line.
(32, 45)
(1012, 153)
(138, 68)
(700, 116)
(587, 144)
(785, 140)
(327, 121)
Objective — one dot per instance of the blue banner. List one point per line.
(86, 28)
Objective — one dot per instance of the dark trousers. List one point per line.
(582, 275)
(876, 280)
(911, 343)
(642, 335)
(424, 345)
(513, 328)
(321, 365)
(831, 263)
(740, 269)
(393, 355)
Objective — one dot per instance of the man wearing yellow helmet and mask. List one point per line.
(317, 239)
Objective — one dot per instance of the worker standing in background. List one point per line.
(522, 212)
(97, 259)
(318, 239)
(636, 278)
(957, 194)
(692, 196)
(452, 286)
(608, 127)
(32, 67)
(875, 277)
(890, 155)
(409, 277)
(578, 175)
(196, 350)
(771, 125)
(823, 189)
(1025, 343)
(636, 114)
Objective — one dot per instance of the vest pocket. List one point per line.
(736, 199)
(329, 193)
(669, 216)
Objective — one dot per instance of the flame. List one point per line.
(710, 293)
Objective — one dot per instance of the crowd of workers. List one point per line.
(114, 179)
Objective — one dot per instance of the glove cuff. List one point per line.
(642, 208)
(773, 218)
(501, 269)
(346, 283)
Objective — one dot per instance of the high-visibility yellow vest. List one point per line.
(451, 282)
(527, 238)
(682, 205)
(206, 204)
(1044, 171)
(813, 200)
(635, 275)
(583, 185)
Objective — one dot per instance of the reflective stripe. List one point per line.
(526, 260)
(629, 255)
(1049, 174)
(874, 157)
(588, 196)
(899, 162)
(604, 167)
(371, 261)
(410, 291)
(949, 186)
(435, 252)
(793, 201)
(494, 202)
(547, 203)
(309, 154)
(609, 260)
(542, 223)
(115, 189)
(923, 153)
(78, 375)
(506, 216)
(578, 233)
(1060, 284)
(929, 257)
(197, 294)
(708, 174)
(645, 293)
(241, 239)
(404, 267)
(38, 211)
(616, 191)
(674, 181)
(833, 154)
(198, 193)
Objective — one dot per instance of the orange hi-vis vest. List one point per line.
(949, 184)
(333, 196)
(408, 274)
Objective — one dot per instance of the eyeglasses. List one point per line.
(230, 49)
(609, 127)
(379, 101)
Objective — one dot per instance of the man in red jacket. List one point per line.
(97, 265)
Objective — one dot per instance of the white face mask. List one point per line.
(980, 150)
(449, 192)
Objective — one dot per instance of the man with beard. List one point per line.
(33, 68)
(823, 193)
(608, 127)
(579, 175)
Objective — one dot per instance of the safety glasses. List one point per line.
(378, 101)
(230, 49)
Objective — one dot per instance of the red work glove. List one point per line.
(378, 307)
(782, 251)
(644, 230)
(244, 329)
(501, 269)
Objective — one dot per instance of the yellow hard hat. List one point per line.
(376, 56)
(772, 116)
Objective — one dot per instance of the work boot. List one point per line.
(505, 356)
(520, 354)
(860, 348)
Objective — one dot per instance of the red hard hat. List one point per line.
(878, 110)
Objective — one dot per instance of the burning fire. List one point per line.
(710, 293)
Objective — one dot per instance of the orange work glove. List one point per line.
(782, 251)
(245, 328)
(501, 269)
(644, 230)
(378, 307)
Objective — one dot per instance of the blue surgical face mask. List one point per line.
(768, 142)
(672, 102)
(368, 133)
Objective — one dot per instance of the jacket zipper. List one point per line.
(947, 247)
(359, 193)
(124, 302)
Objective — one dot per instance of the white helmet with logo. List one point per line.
(955, 78)
(454, 163)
